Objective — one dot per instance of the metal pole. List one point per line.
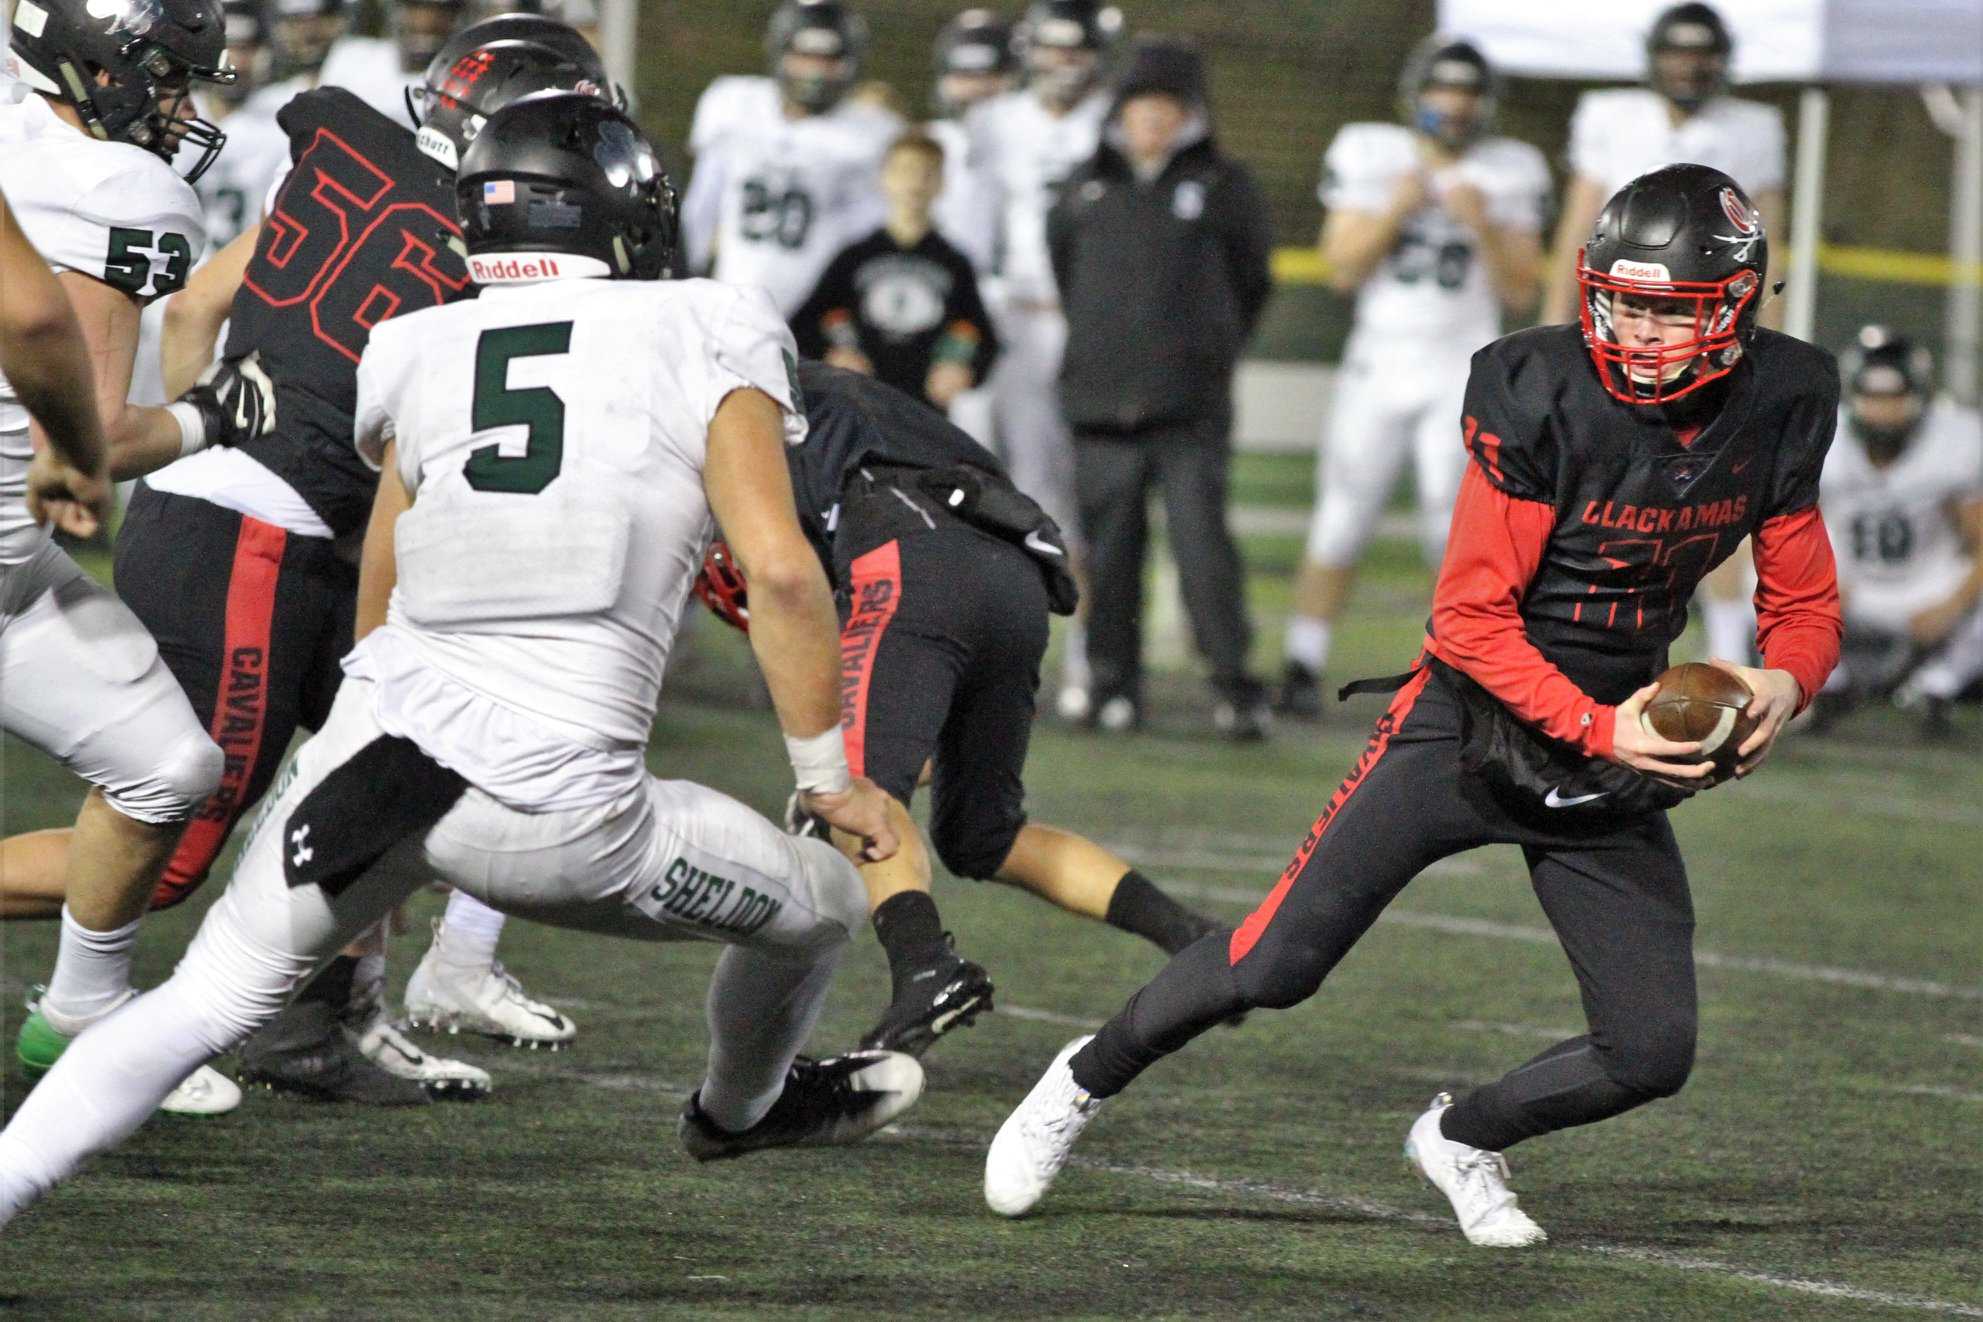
(619, 31)
(1964, 334)
(1806, 209)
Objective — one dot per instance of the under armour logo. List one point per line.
(303, 852)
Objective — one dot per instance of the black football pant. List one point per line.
(1113, 474)
(1617, 897)
(252, 621)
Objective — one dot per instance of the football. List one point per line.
(1697, 701)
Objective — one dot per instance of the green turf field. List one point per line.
(1825, 1162)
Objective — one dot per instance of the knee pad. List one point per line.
(1277, 974)
(1653, 1059)
(183, 776)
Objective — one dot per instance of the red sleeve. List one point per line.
(1797, 614)
(1494, 550)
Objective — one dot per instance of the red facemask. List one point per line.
(720, 586)
(1709, 354)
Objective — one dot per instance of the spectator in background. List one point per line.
(1025, 144)
(1160, 248)
(1903, 495)
(902, 304)
(1438, 230)
(785, 165)
(1683, 115)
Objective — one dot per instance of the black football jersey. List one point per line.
(1640, 515)
(362, 229)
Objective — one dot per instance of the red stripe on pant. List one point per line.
(877, 591)
(1255, 926)
(240, 706)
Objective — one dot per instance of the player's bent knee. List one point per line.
(182, 778)
(976, 855)
(1277, 974)
(1655, 1058)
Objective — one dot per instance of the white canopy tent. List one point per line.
(1903, 43)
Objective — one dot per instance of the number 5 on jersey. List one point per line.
(498, 404)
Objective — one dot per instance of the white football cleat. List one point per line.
(445, 997)
(1033, 1143)
(445, 1080)
(1474, 1180)
(206, 1091)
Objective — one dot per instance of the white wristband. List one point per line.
(192, 431)
(819, 763)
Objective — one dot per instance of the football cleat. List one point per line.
(442, 1079)
(1300, 698)
(1474, 1180)
(841, 1099)
(1035, 1140)
(950, 993)
(206, 1091)
(445, 997)
(304, 1051)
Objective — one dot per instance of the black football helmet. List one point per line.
(1695, 31)
(150, 51)
(564, 176)
(1441, 61)
(1065, 25)
(1883, 363)
(824, 28)
(484, 67)
(248, 53)
(421, 27)
(1686, 240)
(974, 49)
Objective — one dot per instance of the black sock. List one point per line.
(332, 986)
(1138, 907)
(910, 932)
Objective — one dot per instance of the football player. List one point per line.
(231, 192)
(1437, 228)
(384, 71)
(946, 575)
(86, 152)
(1612, 465)
(785, 165)
(1684, 113)
(231, 556)
(1904, 489)
(973, 63)
(1025, 143)
(552, 454)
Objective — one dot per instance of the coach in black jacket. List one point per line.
(1160, 246)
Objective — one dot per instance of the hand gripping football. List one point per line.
(1697, 701)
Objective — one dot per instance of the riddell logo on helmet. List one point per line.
(1738, 215)
(1625, 270)
(492, 270)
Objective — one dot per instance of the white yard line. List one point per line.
(1963, 1039)
(1046, 1016)
(1541, 1032)
(1933, 1090)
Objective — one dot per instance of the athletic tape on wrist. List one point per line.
(819, 763)
(192, 430)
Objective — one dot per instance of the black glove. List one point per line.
(235, 400)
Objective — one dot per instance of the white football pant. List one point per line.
(1033, 439)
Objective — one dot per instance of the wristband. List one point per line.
(819, 762)
(192, 428)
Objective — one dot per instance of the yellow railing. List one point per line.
(1304, 266)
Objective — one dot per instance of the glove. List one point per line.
(235, 401)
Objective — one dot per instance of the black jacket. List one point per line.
(1162, 283)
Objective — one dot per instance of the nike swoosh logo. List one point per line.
(1555, 799)
(1039, 545)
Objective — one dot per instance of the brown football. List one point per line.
(1697, 701)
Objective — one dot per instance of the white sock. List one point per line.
(762, 1008)
(469, 931)
(1308, 642)
(92, 972)
(1074, 672)
(1731, 629)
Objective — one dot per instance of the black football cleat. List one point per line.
(305, 1051)
(949, 993)
(841, 1099)
(1300, 696)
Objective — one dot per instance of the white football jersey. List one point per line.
(1893, 529)
(1618, 134)
(1026, 154)
(966, 210)
(1433, 282)
(110, 210)
(369, 68)
(553, 436)
(778, 198)
(257, 150)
